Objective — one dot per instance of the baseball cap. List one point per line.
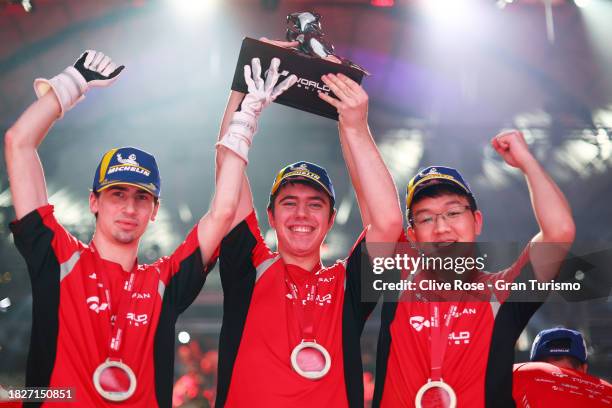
(433, 175)
(128, 165)
(305, 171)
(559, 341)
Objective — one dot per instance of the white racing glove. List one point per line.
(243, 125)
(92, 69)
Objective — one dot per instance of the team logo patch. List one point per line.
(93, 302)
(418, 322)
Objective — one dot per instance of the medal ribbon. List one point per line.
(306, 311)
(118, 330)
(439, 338)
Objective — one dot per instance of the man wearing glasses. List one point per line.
(448, 348)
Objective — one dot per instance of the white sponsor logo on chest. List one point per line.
(143, 295)
(457, 337)
(137, 319)
(93, 302)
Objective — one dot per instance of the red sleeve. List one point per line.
(404, 246)
(187, 251)
(508, 275)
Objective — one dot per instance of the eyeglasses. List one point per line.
(451, 216)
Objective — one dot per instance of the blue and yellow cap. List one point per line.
(128, 165)
(558, 341)
(433, 175)
(306, 171)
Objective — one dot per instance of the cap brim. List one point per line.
(423, 184)
(289, 179)
(433, 181)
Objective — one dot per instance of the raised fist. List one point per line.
(513, 148)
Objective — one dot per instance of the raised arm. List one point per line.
(244, 206)
(26, 176)
(239, 126)
(552, 211)
(217, 222)
(364, 211)
(376, 192)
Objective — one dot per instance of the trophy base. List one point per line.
(304, 94)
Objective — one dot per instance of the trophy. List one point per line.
(305, 28)
(308, 62)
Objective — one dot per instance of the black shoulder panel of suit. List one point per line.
(238, 281)
(359, 279)
(33, 240)
(352, 326)
(354, 315)
(383, 348)
(510, 321)
(182, 289)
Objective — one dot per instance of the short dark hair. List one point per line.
(438, 190)
(305, 183)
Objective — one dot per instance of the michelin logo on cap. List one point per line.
(301, 170)
(129, 164)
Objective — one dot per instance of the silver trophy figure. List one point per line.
(305, 28)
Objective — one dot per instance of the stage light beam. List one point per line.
(582, 3)
(194, 9)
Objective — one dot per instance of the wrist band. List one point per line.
(68, 87)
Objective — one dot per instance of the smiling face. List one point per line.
(301, 218)
(123, 212)
(461, 226)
